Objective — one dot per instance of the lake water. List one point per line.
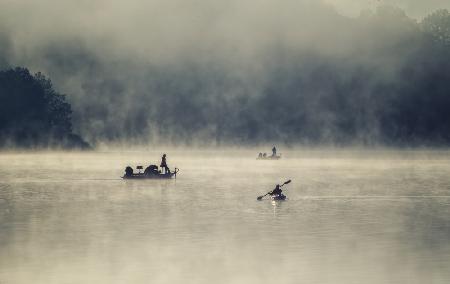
(350, 217)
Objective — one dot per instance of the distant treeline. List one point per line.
(33, 114)
(378, 79)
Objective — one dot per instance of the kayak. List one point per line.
(278, 197)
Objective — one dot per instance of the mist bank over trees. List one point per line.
(300, 73)
(33, 114)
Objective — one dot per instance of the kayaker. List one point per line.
(274, 151)
(164, 164)
(276, 191)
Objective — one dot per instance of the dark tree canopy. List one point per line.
(379, 79)
(32, 113)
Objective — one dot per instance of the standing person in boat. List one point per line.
(277, 190)
(164, 164)
(274, 151)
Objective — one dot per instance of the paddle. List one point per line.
(261, 197)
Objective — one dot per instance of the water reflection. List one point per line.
(277, 204)
(346, 220)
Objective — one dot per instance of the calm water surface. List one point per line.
(351, 217)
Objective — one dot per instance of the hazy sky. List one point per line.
(414, 8)
(161, 29)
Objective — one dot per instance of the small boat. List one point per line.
(151, 172)
(278, 197)
(269, 157)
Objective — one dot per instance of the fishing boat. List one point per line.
(276, 157)
(278, 197)
(151, 172)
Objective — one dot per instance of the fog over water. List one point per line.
(232, 72)
(333, 83)
(350, 217)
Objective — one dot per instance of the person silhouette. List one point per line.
(274, 151)
(277, 190)
(164, 164)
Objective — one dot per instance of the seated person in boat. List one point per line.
(276, 191)
(164, 164)
(128, 171)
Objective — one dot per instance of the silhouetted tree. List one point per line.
(437, 25)
(32, 113)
